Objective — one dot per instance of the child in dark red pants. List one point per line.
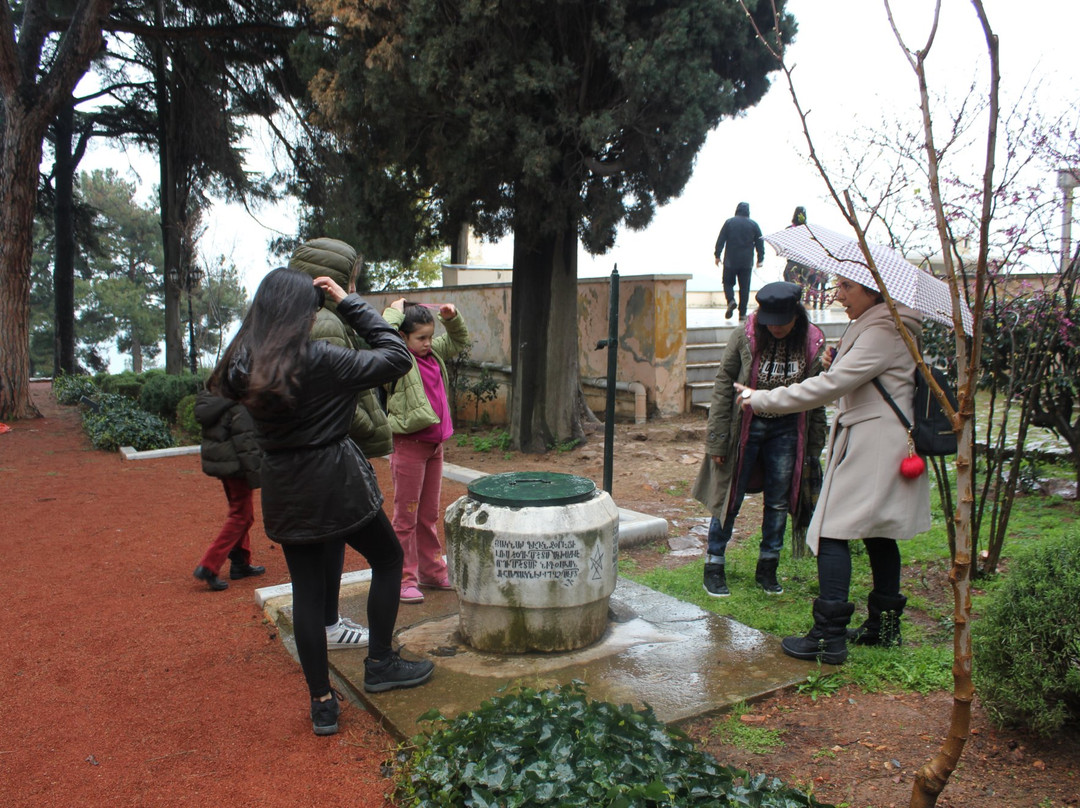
(230, 453)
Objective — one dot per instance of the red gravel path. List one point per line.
(127, 682)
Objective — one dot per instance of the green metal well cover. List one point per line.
(531, 489)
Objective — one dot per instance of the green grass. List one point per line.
(732, 731)
(680, 488)
(495, 440)
(820, 683)
(924, 662)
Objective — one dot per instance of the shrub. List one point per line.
(118, 422)
(1027, 642)
(126, 383)
(161, 393)
(495, 439)
(558, 748)
(190, 429)
(70, 389)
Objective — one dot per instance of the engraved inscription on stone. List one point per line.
(537, 559)
(596, 563)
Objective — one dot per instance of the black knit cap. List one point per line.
(778, 302)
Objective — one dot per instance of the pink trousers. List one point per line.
(416, 467)
(234, 540)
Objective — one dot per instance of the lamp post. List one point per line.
(1067, 180)
(194, 278)
(188, 279)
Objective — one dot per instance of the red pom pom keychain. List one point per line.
(912, 466)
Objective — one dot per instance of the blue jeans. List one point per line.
(774, 441)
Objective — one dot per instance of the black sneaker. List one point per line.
(215, 583)
(324, 715)
(715, 583)
(238, 571)
(394, 672)
(765, 575)
(730, 311)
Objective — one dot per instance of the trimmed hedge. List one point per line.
(189, 428)
(161, 393)
(125, 383)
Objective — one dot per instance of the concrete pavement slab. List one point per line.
(682, 660)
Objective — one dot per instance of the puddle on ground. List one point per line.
(440, 639)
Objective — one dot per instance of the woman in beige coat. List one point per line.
(863, 495)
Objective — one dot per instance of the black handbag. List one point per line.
(932, 433)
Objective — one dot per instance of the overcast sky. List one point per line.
(849, 73)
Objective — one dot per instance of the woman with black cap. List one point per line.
(776, 347)
(865, 495)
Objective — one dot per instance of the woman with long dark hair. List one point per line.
(777, 455)
(318, 488)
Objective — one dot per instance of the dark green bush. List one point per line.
(125, 383)
(558, 748)
(161, 393)
(190, 429)
(69, 389)
(1027, 641)
(118, 422)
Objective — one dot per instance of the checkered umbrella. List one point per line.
(837, 254)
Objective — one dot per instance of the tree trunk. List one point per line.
(136, 354)
(64, 235)
(28, 107)
(18, 198)
(171, 207)
(931, 779)
(459, 249)
(170, 239)
(544, 340)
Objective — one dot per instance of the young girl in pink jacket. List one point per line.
(418, 410)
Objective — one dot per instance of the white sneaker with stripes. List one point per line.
(346, 634)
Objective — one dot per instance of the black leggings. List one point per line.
(316, 574)
(834, 567)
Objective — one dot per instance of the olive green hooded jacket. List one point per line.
(335, 259)
(407, 403)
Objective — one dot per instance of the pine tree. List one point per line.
(557, 121)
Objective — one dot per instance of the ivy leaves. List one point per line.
(557, 747)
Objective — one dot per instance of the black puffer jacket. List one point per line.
(229, 447)
(317, 484)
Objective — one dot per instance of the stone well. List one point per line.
(532, 556)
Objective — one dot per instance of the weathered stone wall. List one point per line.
(652, 337)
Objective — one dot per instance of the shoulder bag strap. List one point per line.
(888, 399)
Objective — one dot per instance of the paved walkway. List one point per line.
(682, 660)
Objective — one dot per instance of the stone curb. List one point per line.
(635, 528)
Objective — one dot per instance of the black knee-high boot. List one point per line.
(882, 624)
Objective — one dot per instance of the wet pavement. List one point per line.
(684, 661)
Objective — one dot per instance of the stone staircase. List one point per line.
(705, 348)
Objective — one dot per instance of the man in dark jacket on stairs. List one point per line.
(741, 237)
